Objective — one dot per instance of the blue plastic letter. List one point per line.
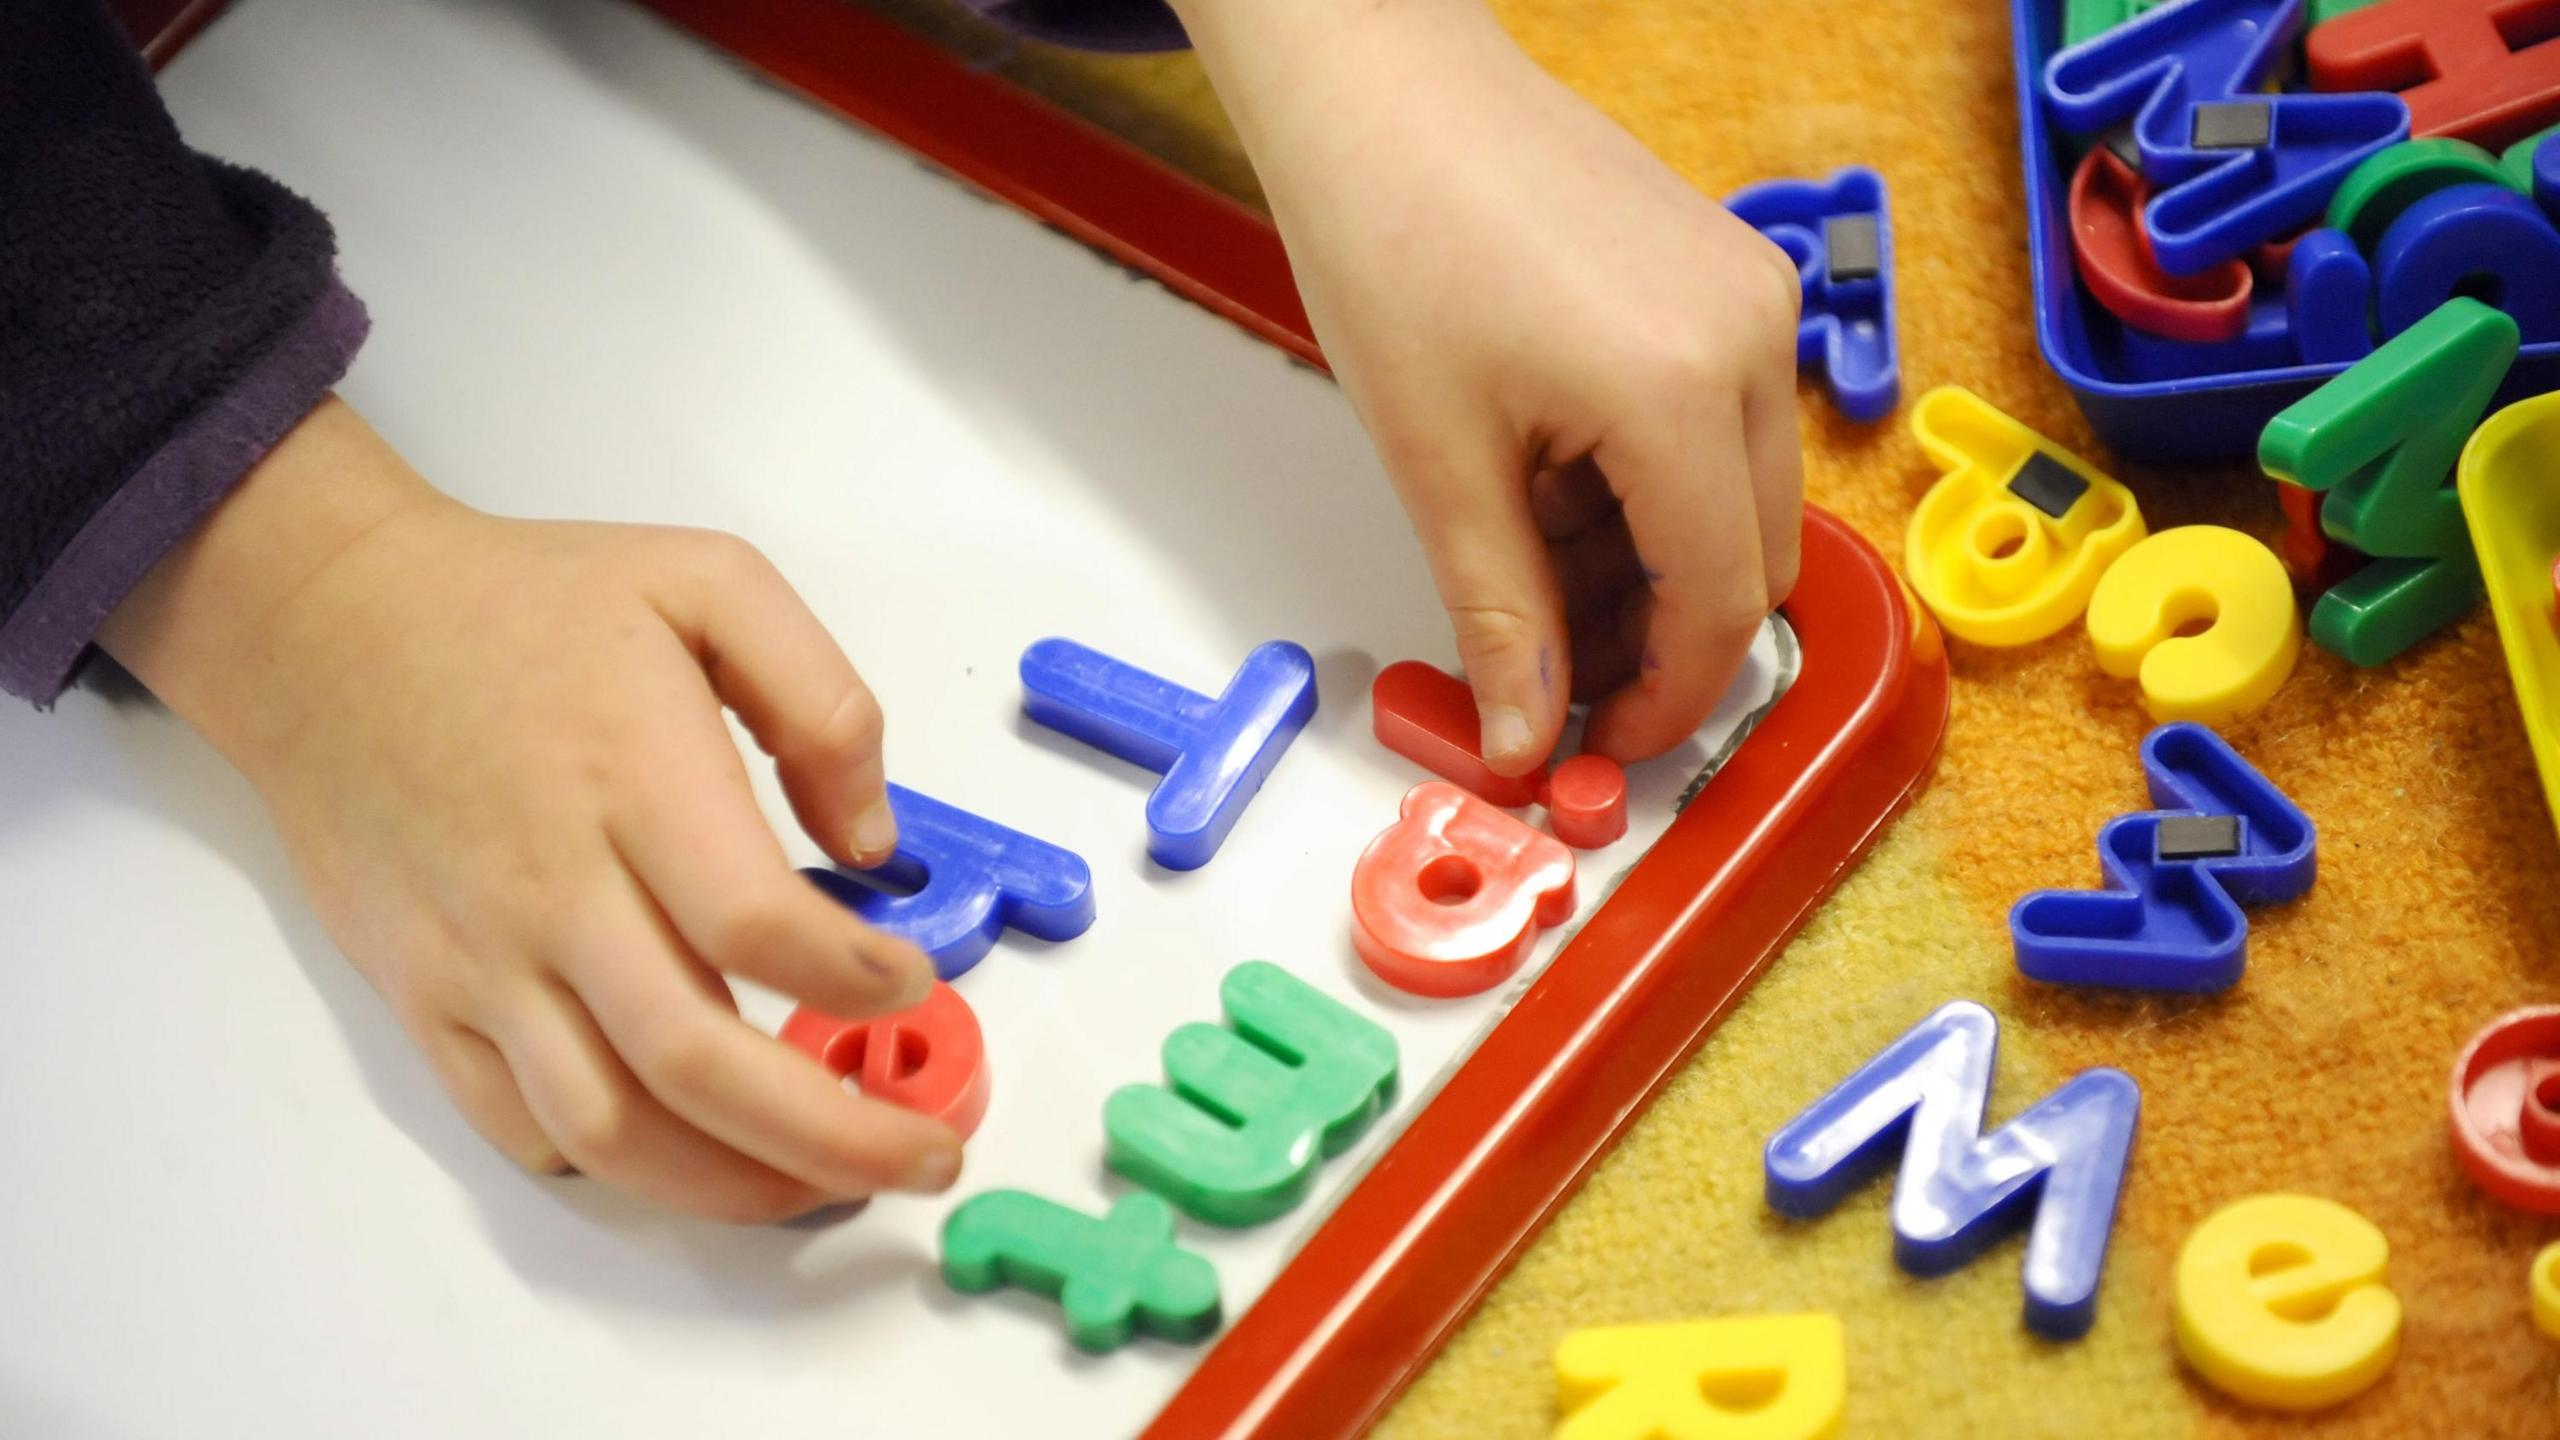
(2482, 240)
(1213, 754)
(2170, 918)
(972, 879)
(2231, 166)
(1840, 235)
(1960, 1190)
(2328, 292)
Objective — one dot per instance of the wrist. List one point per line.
(199, 629)
(1278, 67)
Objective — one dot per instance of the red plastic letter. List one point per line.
(2486, 71)
(930, 1059)
(1448, 900)
(1428, 716)
(2115, 261)
(1586, 800)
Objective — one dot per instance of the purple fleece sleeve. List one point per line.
(1128, 26)
(164, 320)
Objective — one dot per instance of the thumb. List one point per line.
(1505, 607)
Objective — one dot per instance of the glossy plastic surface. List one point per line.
(1847, 325)
(2315, 561)
(2163, 401)
(967, 880)
(2089, 19)
(1995, 568)
(1737, 1377)
(2506, 1109)
(2062, 1160)
(2280, 1301)
(1250, 1108)
(2542, 1285)
(2487, 71)
(1586, 800)
(1114, 1276)
(2509, 481)
(1428, 716)
(1449, 899)
(2470, 240)
(2166, 71)
(2381, 440)
(2392, 180)
(2328, 299)
(2145, 615)
(931, 1059)
(2173, 923)
(1213, 754)
(2107, 199)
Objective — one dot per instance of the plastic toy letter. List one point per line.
(2382, 440)
(2280, 1302)
(1113, 1276)
(2233, 166)
(1746, 1377)
(974, 878)
(2483, 70)
(2142, 615)
(2177, 877)
(2007, 547)
(1253, 1108)
(1450, 898)
(1839, 233)
(1213, 754)
(1960, 1189)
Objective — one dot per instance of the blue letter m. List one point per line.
(2062, 1161)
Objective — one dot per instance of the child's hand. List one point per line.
(495, 749)
(1579, 371)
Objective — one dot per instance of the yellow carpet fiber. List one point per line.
(2324, 1071)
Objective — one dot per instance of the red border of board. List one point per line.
(1408, 1253)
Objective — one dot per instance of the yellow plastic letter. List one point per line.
(2006, 548)
(2280, 1301)
(2204, 616)
(2546, 1289)
(1745, 1377)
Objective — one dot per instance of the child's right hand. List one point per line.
(495, 750)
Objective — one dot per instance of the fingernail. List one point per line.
(934, 1171)
(1506, 731)
(876, 833)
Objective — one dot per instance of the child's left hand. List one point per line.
(1579, 371)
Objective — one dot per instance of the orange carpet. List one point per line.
(2323, 1072)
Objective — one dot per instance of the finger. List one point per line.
(1607, 642)
(1687, 494)
(1490, 563)
(1775, 452)
(485, 1091)
(1596, 569)
(700, 848)
(613, 1129)
(1570, 499)
(770, 660)
(740, 1086)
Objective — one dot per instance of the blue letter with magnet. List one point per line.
(2231, 166)
(2224, 837)
(1213, 754)
(972, 878)
(1924, 1094)
(1839, 235)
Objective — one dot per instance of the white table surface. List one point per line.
(613, 277)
